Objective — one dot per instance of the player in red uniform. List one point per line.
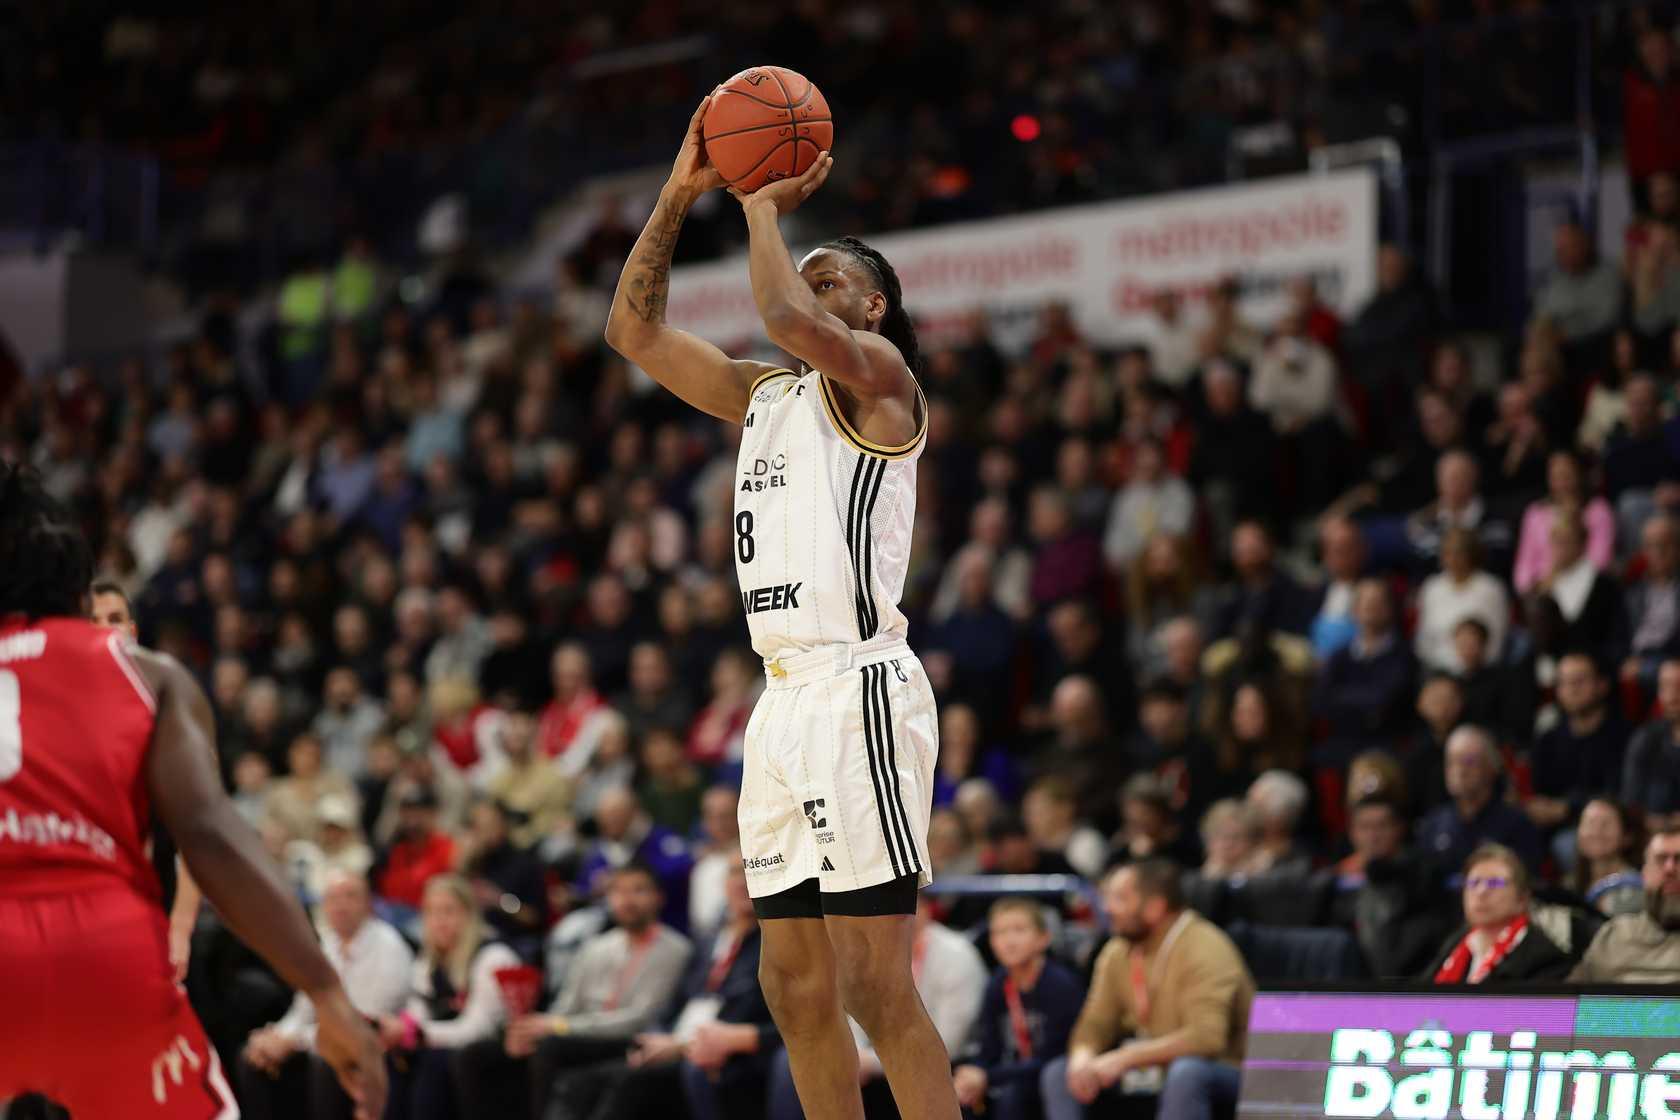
(97, 734)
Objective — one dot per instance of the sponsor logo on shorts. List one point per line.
(760, 863)
(811, 814)
(170, 1067)
(827, 864)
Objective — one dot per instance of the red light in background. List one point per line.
(1025, 128)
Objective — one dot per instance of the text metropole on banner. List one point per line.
(1103, 261)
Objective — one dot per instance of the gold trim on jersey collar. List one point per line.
(831, 404)
(763, 377)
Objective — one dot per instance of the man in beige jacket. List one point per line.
(1642, 948)
(1167, 1010)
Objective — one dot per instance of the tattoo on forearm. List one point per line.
(649, 281)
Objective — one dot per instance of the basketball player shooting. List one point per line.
(96, 735)
(840, 750)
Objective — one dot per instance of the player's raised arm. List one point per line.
(240, 880)
(867, 365)
(689, 366)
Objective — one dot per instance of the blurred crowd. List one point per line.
(1370, 624)
(279, 131)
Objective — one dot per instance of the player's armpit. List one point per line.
(693, 369)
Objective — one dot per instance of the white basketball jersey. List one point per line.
(822, 519)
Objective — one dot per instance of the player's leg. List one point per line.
(796, 969)
(872, 955)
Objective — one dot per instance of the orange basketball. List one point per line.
(765, 124)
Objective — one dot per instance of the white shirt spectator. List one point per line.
(484, 1011)
(375, 966)
(706, 895)
(1294, 383)
(1442, 605)
(1146, 509)
(950, 978)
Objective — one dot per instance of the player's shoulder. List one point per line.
(771, 384)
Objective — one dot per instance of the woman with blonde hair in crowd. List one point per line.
(1230, 837)
(455, 1000)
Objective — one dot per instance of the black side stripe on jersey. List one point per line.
(877, 763)
(896, 794)
(857, 534)
(868, 549)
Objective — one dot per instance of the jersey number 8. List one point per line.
(743, 536)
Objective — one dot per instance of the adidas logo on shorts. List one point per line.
(827, 865)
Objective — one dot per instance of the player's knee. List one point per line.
(798, 996)
(879, 998)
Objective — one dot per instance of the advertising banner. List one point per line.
(1103, 261)
(1450, 1054)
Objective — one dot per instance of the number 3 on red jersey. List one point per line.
(11, 727)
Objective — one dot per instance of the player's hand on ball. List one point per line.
(347, 1044)
(693, 174)
(786, 195)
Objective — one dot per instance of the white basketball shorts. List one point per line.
(838, 770)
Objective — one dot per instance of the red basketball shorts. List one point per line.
(91, 1016)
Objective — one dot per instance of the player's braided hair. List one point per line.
(896, 326)
(45, 564)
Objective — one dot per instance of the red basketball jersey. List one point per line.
(76, 721)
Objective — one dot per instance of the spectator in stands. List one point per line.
(418, 852)
(1080, 751)
(463, 640)
(1230, 837)
(951, 980)
(1651, 772)
(616, 988)
(1165, 582)
(710, 1051)
(1457, 505)
(990, 533)
(1182, 1031)
(348, 719)
(1641, 471)
(1583, 296)
(1567, 495)
(337, 849)
(716, 734)
(1387, 339)
(715, 858)
(294, 802)
(575, 717)
(279, 1069)
(528, 785)
(1261, 592)
(1363, 690)
(455, 1001)
(1278, 801)
(1152, 503)
(1067, 559)
(1460, 590)
(1173, 344)
(624, 834)
(654, 699)
(1050, 811)
(1294, 384)
(1149, 823)
(1651, 105)
(1606, 845)
(1388, 894)
(1497, 943)
(1580, 755)
(951, 849)
(1026, 1016)
(1642, 948)
(1167, 746)
(506, 879)
(422, 767)
(1231, 440)
(1651, 605)
(1342, 548)
(977, 633)
(1255, 735)
(671, 786)
(1588, 600)
(1656, 284)
(1496, 696)
(1476, 814)
(1376, 831)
